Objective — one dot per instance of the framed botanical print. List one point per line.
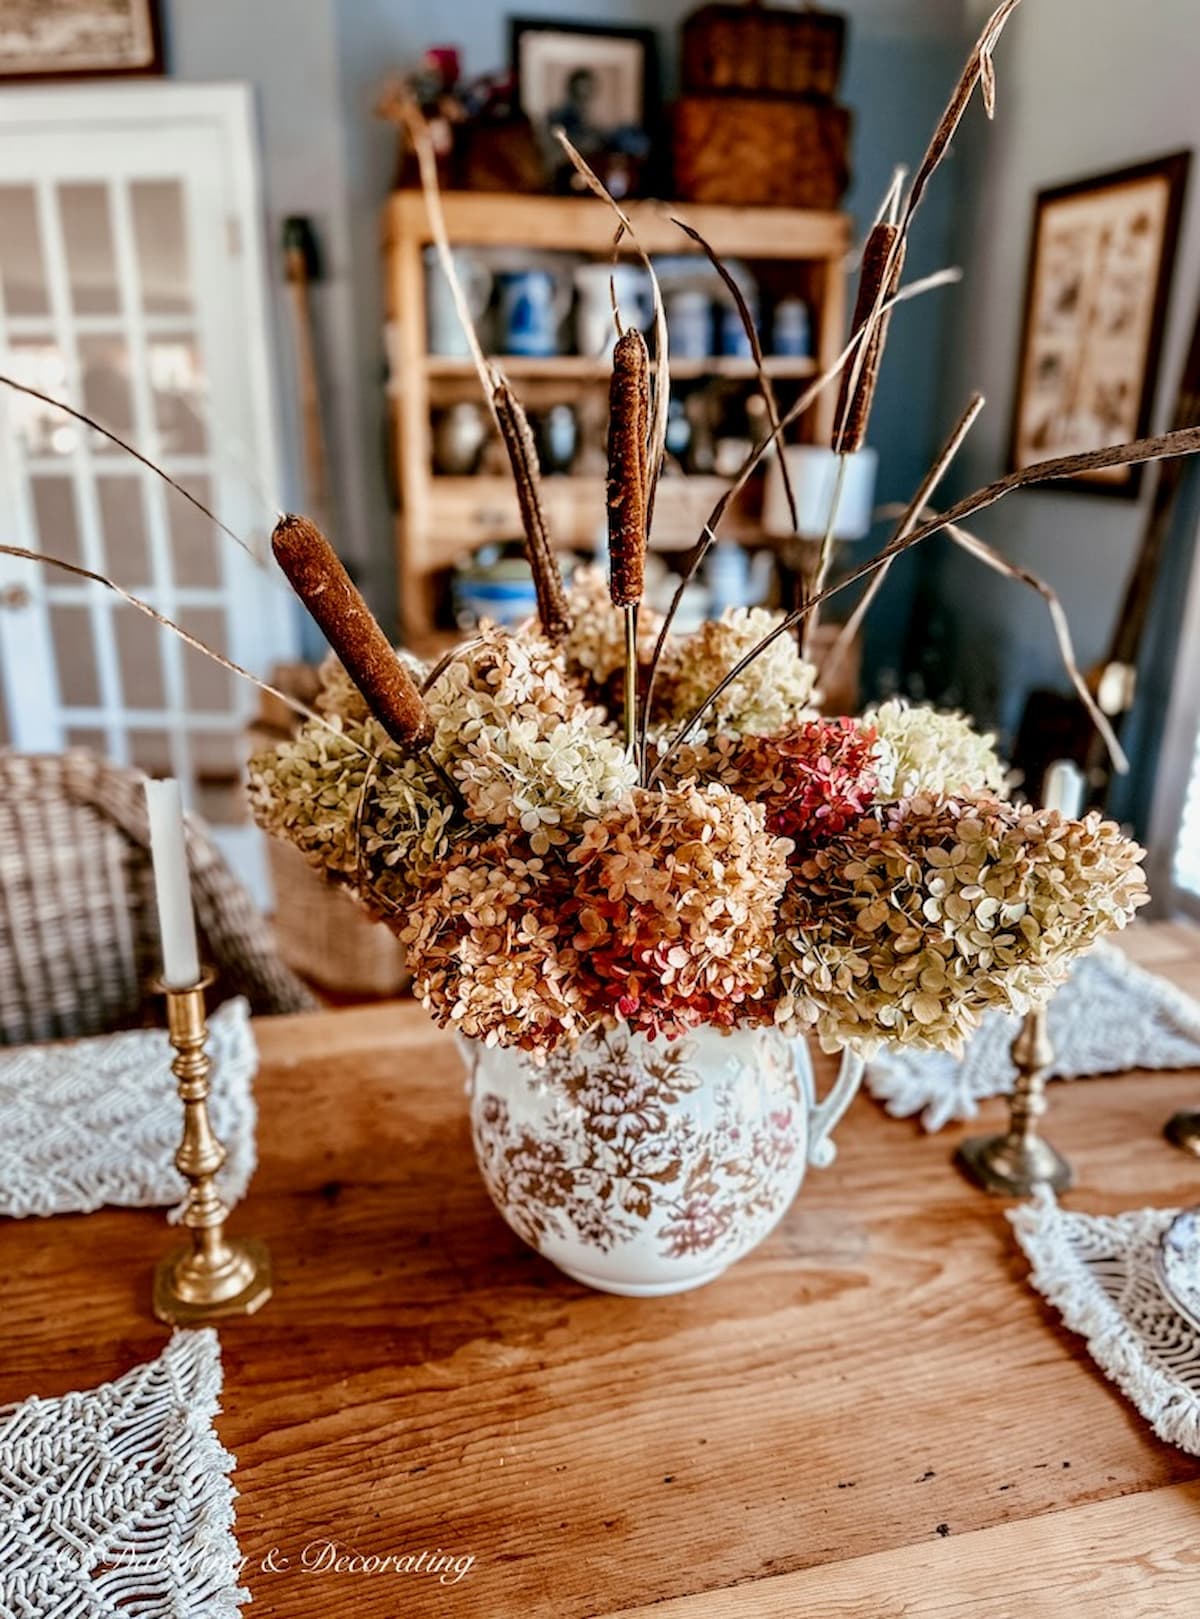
(54, 39)
(1095, 305)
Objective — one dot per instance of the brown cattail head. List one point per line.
(628, 422)
(316, 574)
(522, 456)
(879, 276)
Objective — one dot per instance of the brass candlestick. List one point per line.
(1016, 1163)
(213, 1276)
(1183, 1130)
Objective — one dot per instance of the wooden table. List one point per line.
(872, 1415)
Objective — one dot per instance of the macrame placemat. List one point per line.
(1109, 1016)
(117, 1501)
(89, 1122)
(1099, 1273)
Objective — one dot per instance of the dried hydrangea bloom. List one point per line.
(920, 918)
(543, 780)
(594, 647)
(923, 751)
(499, 679)
(676, 895)
(773, 694)
(813, 781)
(488, 941)
(525, 749)
(337, 693)
(352, 803)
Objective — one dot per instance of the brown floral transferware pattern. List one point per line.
(645, 1167)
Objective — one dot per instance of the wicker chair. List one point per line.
(78, 926)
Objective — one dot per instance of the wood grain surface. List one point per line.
(872, 1415)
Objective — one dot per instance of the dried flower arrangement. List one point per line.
(593, 821)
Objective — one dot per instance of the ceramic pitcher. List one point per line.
(646, 1167)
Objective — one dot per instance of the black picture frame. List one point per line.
(1074, 359)
(522, 28)
(12, 71)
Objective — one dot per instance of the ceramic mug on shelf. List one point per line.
(595, 329)
(445, 331)
(690, 323)
(532, 304)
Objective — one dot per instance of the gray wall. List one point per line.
(1084, 86)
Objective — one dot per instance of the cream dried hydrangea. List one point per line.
(773, 694)
(918, 919)
(920, 750)
(544, 780)
(518, 738)
(594, 646)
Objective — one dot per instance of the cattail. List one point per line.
(316, 574)
(629, 410)
(522, 455)
(879, 276)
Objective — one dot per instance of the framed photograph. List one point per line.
(55, 39)
(1095, 305)
(599, 84)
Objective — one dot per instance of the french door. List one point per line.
(131, 286)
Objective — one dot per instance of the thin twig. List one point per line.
(991, 558)
(113, 438)
(708, 534)
(1184, 442)
(657, 438)
(747, 320)
(911, 516)
(815, 586)
(185, 636)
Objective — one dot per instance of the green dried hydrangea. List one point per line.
(369, 816)
(917, 920)
(773, 694)
(920, 750)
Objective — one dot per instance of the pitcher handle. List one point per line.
(826, 1114)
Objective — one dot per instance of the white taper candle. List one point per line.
(1063, 788)
(172, 885)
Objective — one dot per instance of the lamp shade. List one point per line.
(813, 471)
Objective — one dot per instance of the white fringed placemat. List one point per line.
(89, 1122)
(117, 1501)
(1110, 1016)
(1099, 1273)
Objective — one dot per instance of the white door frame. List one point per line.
(227, 110)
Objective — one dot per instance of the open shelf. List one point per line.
(441, 520)
(581, 368)
(468, 512)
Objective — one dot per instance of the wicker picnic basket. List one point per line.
(732, 49)
(761, 151)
